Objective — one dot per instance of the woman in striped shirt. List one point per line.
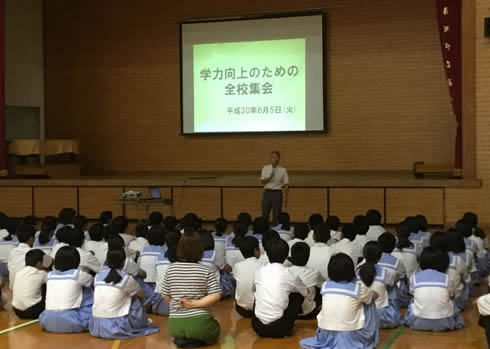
(191, 288)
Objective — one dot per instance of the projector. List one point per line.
(131, 195)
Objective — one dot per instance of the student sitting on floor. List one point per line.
(81, 222)
(69, 296)
(418, 239)
(105, 218)
(432, 308)
(320, 252)
(348, 317)
(65, 218)
(232, 247)
(346, 244)
(393, 265)
(361, 227)
(479, 238)
(46, 240)
(29, 292)
(121, 224)
(149, 255)
(117, 311)
(259, 226)
(379, 279)
(244, 273)
(63, 238)
(335, 234)
(279, 295)
(17, 256)
(141, 240)
(300, 253)
(456, 248)
(219, 237)
(191, 288)
(300, 234)
(164, 260)
(375, 228)
(97, 245)
(88, 261)
(155, 219)
(313, 221)
(284, 228)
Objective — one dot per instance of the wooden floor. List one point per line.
(236, 333)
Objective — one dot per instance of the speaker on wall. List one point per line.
(487, 27)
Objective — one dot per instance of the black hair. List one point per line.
(80, 222)
(25, 232)
(191, 220)
(422, 223)
(438, 240)
(172, 238)
(115, 260)
(220, 226)
(434, 258)
(314, 220)
(322, 233)
(301, 231)
(333, 222)
(121, 224)
(156, 218)
(341, 268)
(30, 220)
(170, 223)
(171, 254)
(116, 243)
(48, 225)
(372, 254)
(269, 236)
(464, 228)
(141, 231)
(277, 251)
(373, 217)
(67, 258)
(455, 242)
(67, 215)
(105, 217)
(284, 220)
(248, 245)
(239, 230)
(110, 231)
(387, 242)
(207, 240)
(244, 218)
(260, 225)
(300, 253)
(96, 232)
(349, 231)
(77, 237)
(411, 224)
(403, 234)
(12, 225)
(361, 225)
(156, 235)
(33, 257)
(3, 220)
(64, 234)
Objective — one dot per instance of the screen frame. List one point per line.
(257, 17)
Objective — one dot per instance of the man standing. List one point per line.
(274, 178)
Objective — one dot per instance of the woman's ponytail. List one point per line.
(115, 261)
(372, 254)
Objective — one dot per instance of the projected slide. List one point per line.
(265, 85)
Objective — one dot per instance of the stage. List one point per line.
(395, 194)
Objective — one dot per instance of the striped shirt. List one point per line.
(192, 281)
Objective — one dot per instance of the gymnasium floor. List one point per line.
(236, 333)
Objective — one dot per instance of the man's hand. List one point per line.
(272, 175)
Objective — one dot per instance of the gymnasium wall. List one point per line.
(112, 81)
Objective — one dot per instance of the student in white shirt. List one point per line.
(232, 247)
(65, 218)
(300, 253)
(97, 245)
(121, 224)
(375, 228)
(69, 296)
(244, 274)
(17, 256)
(260, 226)
(6, 245)
(361, 227)
(457, 248)
(334, 223)
(117, 313)
(45, 239)
(432, 308)
(320, 252)
(348, 317)
(219, 237)
(284, 228)
(88, 261)
(346, 244)
(313, 221)
(279, 295)
(81, 222)
(141, 240)
(300, 234)
(105, 218)
(29, 292)
(170, 256)
(63, 238)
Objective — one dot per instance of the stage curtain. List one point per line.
(449, 21)
(3, 142)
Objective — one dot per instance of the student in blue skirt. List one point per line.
(348, 318)
(432, 308)
(45, 239)
(69, 295)
(117, 311)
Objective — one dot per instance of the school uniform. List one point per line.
(128, 238)
(47, 248)
(320, 254)
(117, 312)
(286, 235)
(69, 300)
(374, 232)
(232, 253)
(88, 261)
(346, 246)
(348, 318)
(482, 261)
(98, 248)
(148, 258)
(483, 304)
(3, 233)
(313, 280)
(292, 242)
(138, 244)
(359, 243)
(56, 247)
(17, 261)
(408, 257)
(279, 297)
(309, 239)
(431, 308)
(28, 293)
(162, 265)
(226, 281)
(459, 269)
(192, 281)
(335, 236)
(244, 274)
(420, 239)
(219, 247)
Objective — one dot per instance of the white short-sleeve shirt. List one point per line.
(27, 287)
(279, 179)
(312, 279)
(64, 289)
(244, 273)
(320, 255)
(17, 260)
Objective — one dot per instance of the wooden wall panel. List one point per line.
(136, 212)
(346, 203)
(16, 201)
(404, 202)
(48, 201)
(236, 200)
(304, 202)
(94, 200)
(205, 202)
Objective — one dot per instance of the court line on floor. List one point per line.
(25, 324)
(116, 343)
(395, 337)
